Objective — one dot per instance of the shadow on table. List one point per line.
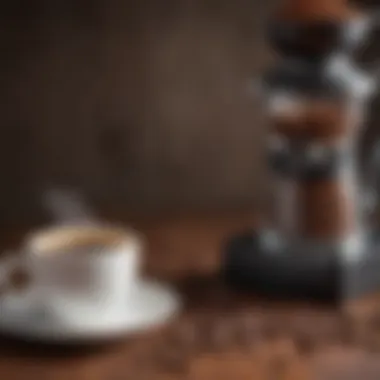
(211, 293)
(17, 347)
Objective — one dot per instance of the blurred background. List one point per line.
(141, 104)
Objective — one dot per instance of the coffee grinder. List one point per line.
(320, 242)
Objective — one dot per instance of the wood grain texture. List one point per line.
(220, 334)
(139, 103)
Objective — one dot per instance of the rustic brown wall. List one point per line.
(141, 103)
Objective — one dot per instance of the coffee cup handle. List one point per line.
(14, 273)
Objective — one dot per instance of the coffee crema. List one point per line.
(80, 239)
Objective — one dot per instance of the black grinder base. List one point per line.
(324, 274)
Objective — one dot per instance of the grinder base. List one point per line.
(250, 265)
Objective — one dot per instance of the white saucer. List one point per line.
(151, 305)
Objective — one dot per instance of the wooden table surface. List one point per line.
(219, 335)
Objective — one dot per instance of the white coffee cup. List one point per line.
(80, 272)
